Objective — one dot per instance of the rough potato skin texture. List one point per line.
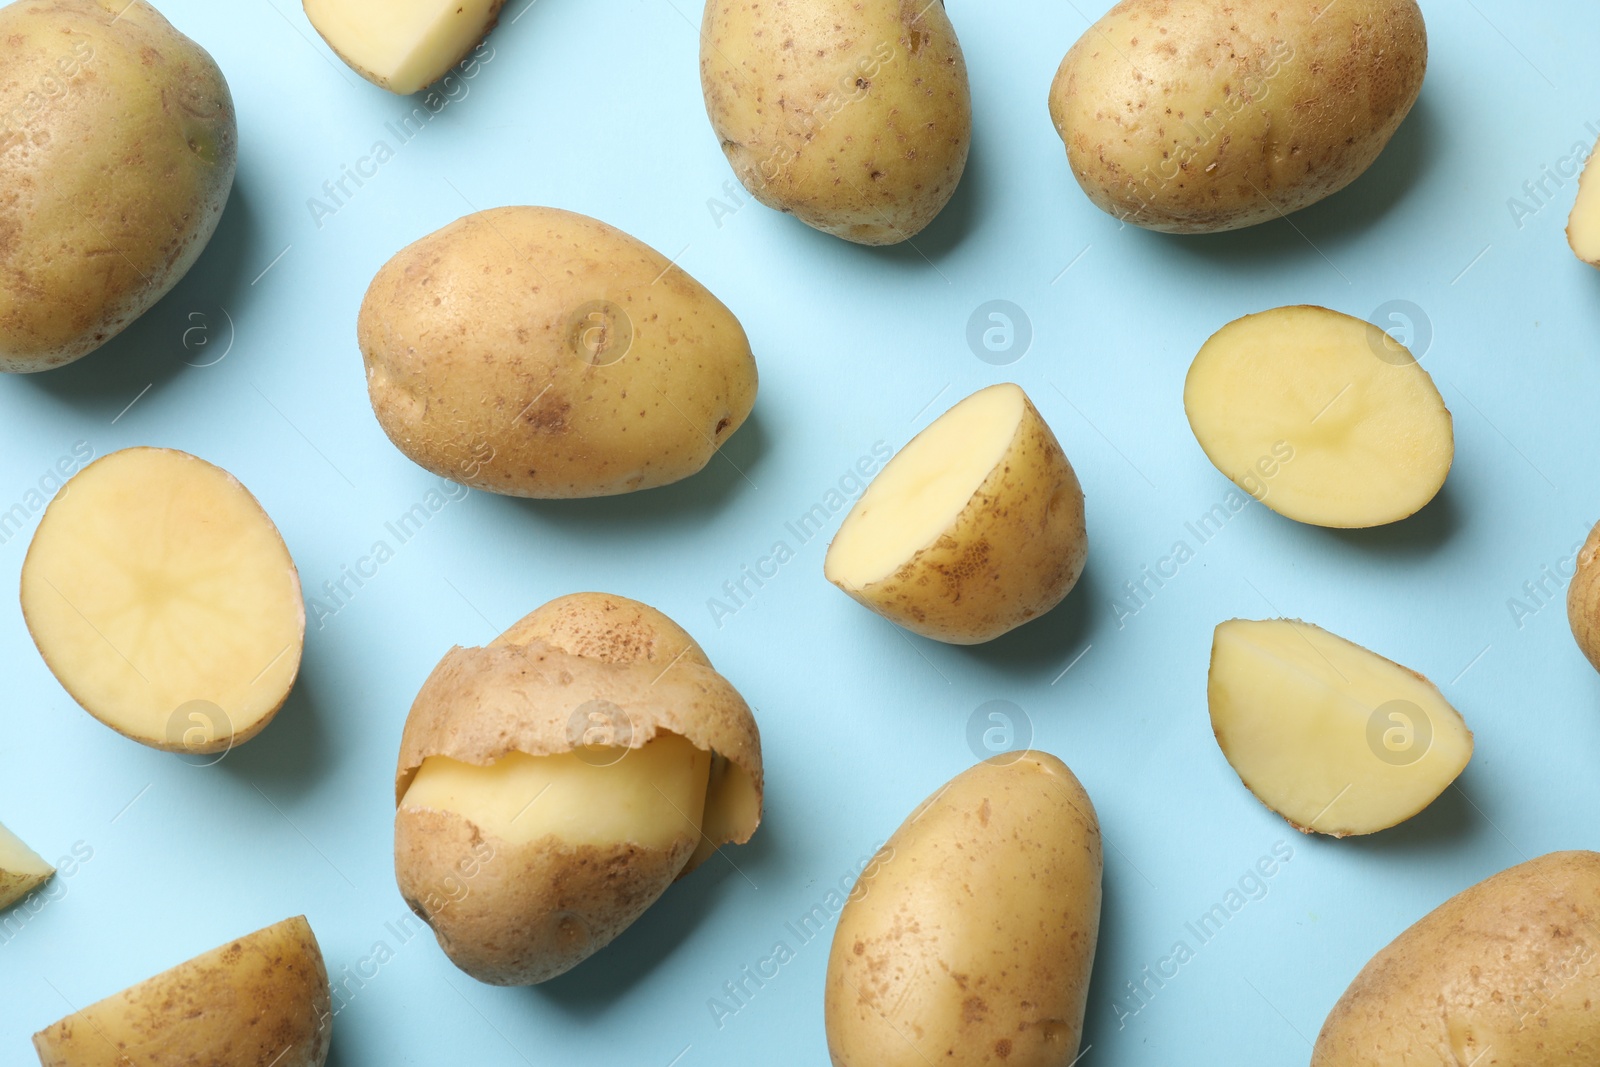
(117, 154)
(852, 115)
(970, 937)
(491, 362)
(532, 912)
(1191, 116)
(1505, 974)
(260, 1001)
(1015, 551)
(1583, 599)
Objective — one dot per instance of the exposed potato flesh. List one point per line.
(163, 599)
(1583, 227)
(1336, 739)
(22, 870)
(402, 45)
(1351, 428)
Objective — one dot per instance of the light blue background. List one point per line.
(596, 107)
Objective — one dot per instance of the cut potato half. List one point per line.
(1336, 739)
(21, 869)
(403, 45)
(1322, 417)
(1583, 227)
(164, 601)
(972, 529)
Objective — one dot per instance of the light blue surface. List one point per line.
(596, 107)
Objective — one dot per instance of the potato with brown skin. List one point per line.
(1583, 599)
(260, 1001)
(541, 353)
(553, 785)
(855, 117)
(1507, 972)
(970, 937)
(1189, 116)
(117, 153)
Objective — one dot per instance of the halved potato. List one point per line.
(260, 1001)
(164, 601)
(22, 870)
(973, 529)
(1336, 739)
(1583, 226)
(403, 45)
(1322, 417)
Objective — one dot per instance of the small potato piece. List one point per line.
(1506, 973)
(970, 937)
(163, 599)
(1583, 599)
(260, 1001)
(1336, 739)
(1583, 227)
(1323, 418)
(854, 116)
(402, 45)
(1192, 116)
(553, 785)
(974, 528)
(540, 353)
(22, 870)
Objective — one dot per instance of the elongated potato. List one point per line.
(1507, 972)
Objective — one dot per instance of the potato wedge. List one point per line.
(402, 45)
(22, 870)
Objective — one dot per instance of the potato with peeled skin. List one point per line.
(163, 599)
(972, 529)
(552, 785)
(1505, 973)
(403, 45)
(1336, 739)
(22, 870)
(260, 1001)
(1322, 417)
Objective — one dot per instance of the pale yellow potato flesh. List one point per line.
(1336, 739)
(22, 870)
(650, 796)
(402, 45)
(1583, 227)
(1322, 417)
(164, 601)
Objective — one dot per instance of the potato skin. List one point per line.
(117, 154)
(540, 353)
(1187, 116)
(855, 117)
(971, 936)
(1015, 551)
(1507, 972)
(1583, 599)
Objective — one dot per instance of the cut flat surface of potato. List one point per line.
(1583, 227)
(1322, 417)
(402, 45)
(1336, 739)
(22, 870)
(163, 599)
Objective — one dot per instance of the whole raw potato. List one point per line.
(117, 154)
(852, 115)
(970, 937)
(1192, 116)
(1506, 974)
(540, 353)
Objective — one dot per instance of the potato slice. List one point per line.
(973, 529)
(1336, 739)
(260, 1001)
(1583, 226)
(1322, 417)
(164, 601)
(21, 869)
(403, 45)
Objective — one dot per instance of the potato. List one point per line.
(1336, 739)
(1323, 418)
(117, 153)
(553, 785)
(260, 1001)
(1506, 973)
(1583, 226)
(22, 870)
(970, 937)
(163, 600)
(852, 115)
(973, 529)
(1188, 116)
(403, 45)
(1583, 599)
(539, 353)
